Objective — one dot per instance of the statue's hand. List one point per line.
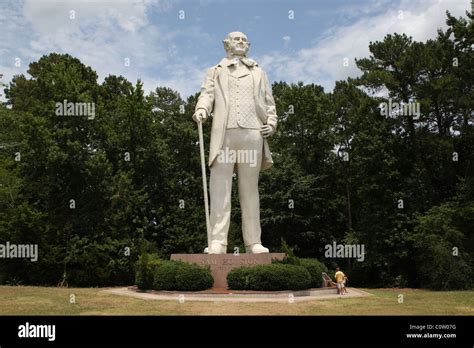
(267, 130)
(200, 116)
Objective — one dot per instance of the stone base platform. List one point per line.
(222, 295)
(222, 264)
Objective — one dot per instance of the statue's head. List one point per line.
(236, 43)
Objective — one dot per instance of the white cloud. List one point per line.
(102, 34)
(47, 16)
(186, 79)
(323, 63)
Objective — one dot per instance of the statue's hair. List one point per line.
(228, 38)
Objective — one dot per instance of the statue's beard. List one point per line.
(231, 53)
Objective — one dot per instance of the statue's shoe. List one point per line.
(256, 249)
(217, 248)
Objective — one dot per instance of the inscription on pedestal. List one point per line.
(222, 264)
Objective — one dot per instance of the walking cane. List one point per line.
(204, 185)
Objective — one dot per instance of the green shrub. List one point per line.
(164, 276)
(290, 257)
(272, 277)
(192, 277)
(181, 276)
(145, 268)
(154, 273)
(314, 267)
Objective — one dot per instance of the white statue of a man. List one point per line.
(238, 94)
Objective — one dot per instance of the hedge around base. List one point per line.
(181, 276)
(272, 277)
(314, 267)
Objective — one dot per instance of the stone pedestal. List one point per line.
(222, 264)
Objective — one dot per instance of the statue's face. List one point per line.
(238, 43)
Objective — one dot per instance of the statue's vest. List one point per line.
(242, 112)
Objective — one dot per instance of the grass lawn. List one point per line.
(31, 300)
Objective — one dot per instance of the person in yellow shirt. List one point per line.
(340, 278)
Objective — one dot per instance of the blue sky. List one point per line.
(165, 50)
